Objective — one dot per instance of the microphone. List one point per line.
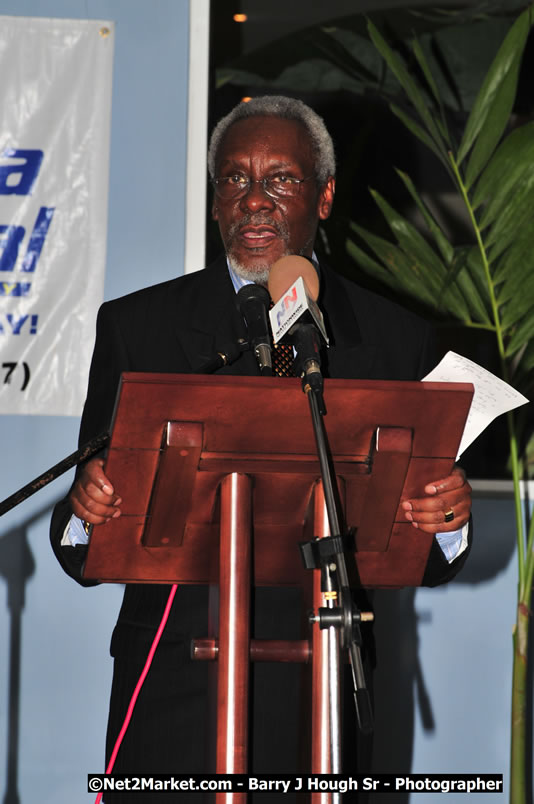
(295, 317)
(285, 271)
(253, 302)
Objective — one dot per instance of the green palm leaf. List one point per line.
(522, 334)
(494, 103)
(424, 261)
(517, 214)
(516, 296)
(445, 248)
(524, 369)
(372, 267)
(404, 78)
(473, 290)
(513, 158)
(421, 134)
(515, 264)
(406, 272)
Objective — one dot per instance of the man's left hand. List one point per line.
(446, 507)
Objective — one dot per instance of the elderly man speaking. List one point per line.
(272, 166)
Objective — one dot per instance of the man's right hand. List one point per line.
(93, 497)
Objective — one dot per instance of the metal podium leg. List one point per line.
(321, 736)
(320, 757)
(234, 630)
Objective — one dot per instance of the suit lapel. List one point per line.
(347, 356)
(212, 321)
(209, 321)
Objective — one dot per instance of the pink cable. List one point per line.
(139, 684)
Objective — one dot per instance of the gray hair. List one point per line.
(287, 109)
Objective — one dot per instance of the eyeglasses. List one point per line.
(279, 186)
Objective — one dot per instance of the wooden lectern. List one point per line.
(220, 482)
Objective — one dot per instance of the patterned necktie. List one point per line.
(282, 357)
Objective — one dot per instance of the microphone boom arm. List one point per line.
(228, 355)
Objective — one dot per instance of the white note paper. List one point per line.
(492, 395)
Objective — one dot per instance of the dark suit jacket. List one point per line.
(175, 327)
(178, 325)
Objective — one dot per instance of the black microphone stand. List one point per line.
(253, 304)
(225, 357)
(85, 452)
(341, 615)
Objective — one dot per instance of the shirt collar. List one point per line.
(238, 282)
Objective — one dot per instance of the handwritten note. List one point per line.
(492, 395)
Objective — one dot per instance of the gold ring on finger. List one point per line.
(449, 515)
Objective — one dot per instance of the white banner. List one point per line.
(55, 102)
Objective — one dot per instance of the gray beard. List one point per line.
(259, 274)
